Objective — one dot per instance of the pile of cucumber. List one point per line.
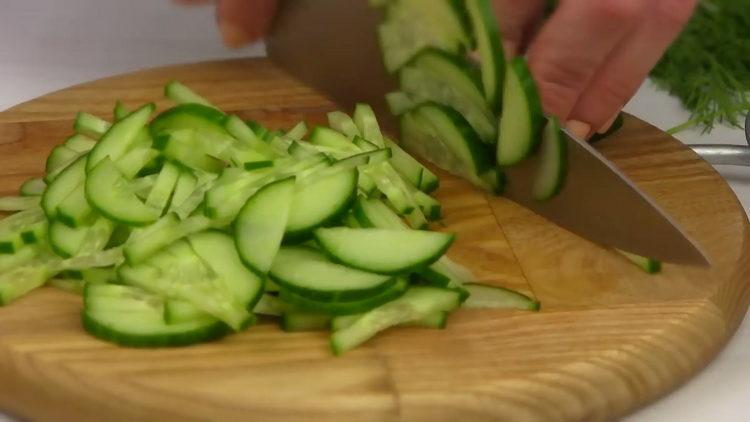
(461, 105)
(185, 226)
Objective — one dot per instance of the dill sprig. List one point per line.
(708, 66)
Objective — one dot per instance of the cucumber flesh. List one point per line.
(67, 181)
(490, 49)
(483, 296)
(410, 169)
(522, 119)
(19, 281)
(367, 123)
(169, 229)
(415, 304)
(181, 94)
(342, 123)
(164, 187)
(108, 192)
(648, 265)
(550, 176)
(120, 137)
(436, 320)
(80, 143)
(33, 187)
(344, 307)
(75, 210)
(261, 223)
(18, 203)
(383, 251)
(90, 126)
(293, 321)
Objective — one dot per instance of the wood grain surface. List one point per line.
(609, 338)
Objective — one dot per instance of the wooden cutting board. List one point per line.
(609, 338)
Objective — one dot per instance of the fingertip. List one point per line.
(232, 35)
(579, 129)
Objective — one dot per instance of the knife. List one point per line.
(331, 45)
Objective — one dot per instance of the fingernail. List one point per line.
(578, 128)
(605, 127)
(232, 35)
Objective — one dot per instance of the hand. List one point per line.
(590, 56)
(240, 21)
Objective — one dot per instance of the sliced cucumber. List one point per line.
(490, 49)
(207, 123)
(648, 265)
(58, 160)
(323, 136)
(19, 281)
(164, 187)
(136, 160)
(430, 207)
(181, 94)
(441, 135)
(180, 311)
(109, 193)
(131, 317)
(75, 210)
(320, 203)
(35, 233)
(483, 296)
(33, 187)
(67, 181)
(270, 305)
(434, 75)
(261, 223)
(20, 258)
(367, 123)
(18, 203)
(297, 132)
(373, 213)
(80, 143)
(344, 307)
(294, 321)
(309, 273)
(237, 128)
(399, 103)
(91, 126)
(383, 251)
(120, 137)
(522, 119)
(412, 25)
(120, 111)
(437, 320)
(145, 242)
(415, 304)
(412, 170)
(550, 176)
(341, 122)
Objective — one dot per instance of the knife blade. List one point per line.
(331, 45)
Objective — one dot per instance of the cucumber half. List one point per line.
(550, 176)
(490, 49)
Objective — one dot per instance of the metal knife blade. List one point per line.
(332, 46)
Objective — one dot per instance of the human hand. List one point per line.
(240, 21)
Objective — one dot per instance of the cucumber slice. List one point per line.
(120, 111)
(137, 320)
(33, 187)
(550, 176)
(260, 224)
(415, 304)
(297, 132)
(431, 208)
(181, 94)
(440, 77)
(120, 137)
(412, 170)
(648, 265)
(68, 242)
(412, 25)
(383, 251)
(136, 160)
(309, 273)
(483, 296)
(341, 122)
(79, 143)
(164, 186)
(399, 103)
(10, 243)
(320, 203)
(74, 210)
(91, 126)
(323, 136)
(367, 123)
(344, 307)
(186, 184)
(270, 305)
(181, 146)
(35, 233)
(58, 160)
(522, 119)
(67, 181)
(180, 311)
(19, 281)
(207, 124)
(441, 135)
(490, 49)
(18, 203)
(373, 213)
(108, 192)
(99, 275)
(294, 321)
(237, 128)
(13, 227)
(437, 320)
(20, 258)
(169, 229)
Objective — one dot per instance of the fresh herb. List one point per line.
(708, 67)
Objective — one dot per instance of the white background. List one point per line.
(47, 45)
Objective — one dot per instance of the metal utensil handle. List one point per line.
(733, 155)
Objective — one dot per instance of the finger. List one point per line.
(244, 21)
(620, 76)
(517, 18)
(573, 43)
(192, 2)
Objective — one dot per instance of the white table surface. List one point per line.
(46, 45)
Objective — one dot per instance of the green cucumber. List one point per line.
(58, 160)
(186, 184)
(367, 123)
(550, 176)
(384, 251)
(648, 265)
(91, 126)
(79, 143)
(297, 132)
(344, 307)
(161, 193)
(294, 321)
(436, 320)
(182, 147)
(67, 181)
(207, 123)
(145, 242)
(19, 281)
(341, 122)
(412, 170)
(181, 94)
(18, 203)
(490, 50)
(522, 120)
(108, 192)
(75, 210)
(120, 137)
(33, 187)
(483, 296)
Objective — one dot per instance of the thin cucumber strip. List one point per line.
(294, 321)
(180, 145)
(311, 274)
(169, 229)
(135, 160)
(341, 122)
(21, 220)
(186, 184)
(297, 132)
(181, 311)
(436, 320)
(67, 181)
(21, 257)
(490, 49)
(208, 125)
(385, 184)
(181, 94)
(648, 265)
(11, 243)
(327, 137)
(431, 208)
(347, 164)
(67, 285)
(59, 158)
(522, 120)
(415, 304)
(270, 305)
(550, 176)
(261, 223)
(367, 123)
(19, 281)
(165, 184)
(483, 296)
(120, 137)
(399, 103)
(74, 210)
(119, 112)
(99, 275)
(79, 143)
(237, 128)
(33, 187)
(383, 251)
(91, 126)
(19, 203)
(108, 192)
(344, 307)
(412, 170)
(376, 214)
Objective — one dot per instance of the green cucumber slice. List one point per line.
(186, 184)
(311, 274)
(18, 203)
(341, 122)
(161, 192)
(297, 132)
(521, 121)
(207, 123)
(383, 251)
(490, 49)
(367, 123)
(145, 242)
(181, 94)
(33, 187)
(261, 223)
(412, 170)
(483, 296)
(182, 147)
(74, 210)
(237, 128)
(80, 143)
(399, 103)
(91, 126)
(295, 321)
(19, 281)
(58, 160)
(648, 265)
(108, 192)
(344, 307)
(437, 320)
(120, 137)
(67, 181)
(550, 176)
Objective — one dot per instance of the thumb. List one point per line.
(244, 21)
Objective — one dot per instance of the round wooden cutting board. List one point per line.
(609, 338)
